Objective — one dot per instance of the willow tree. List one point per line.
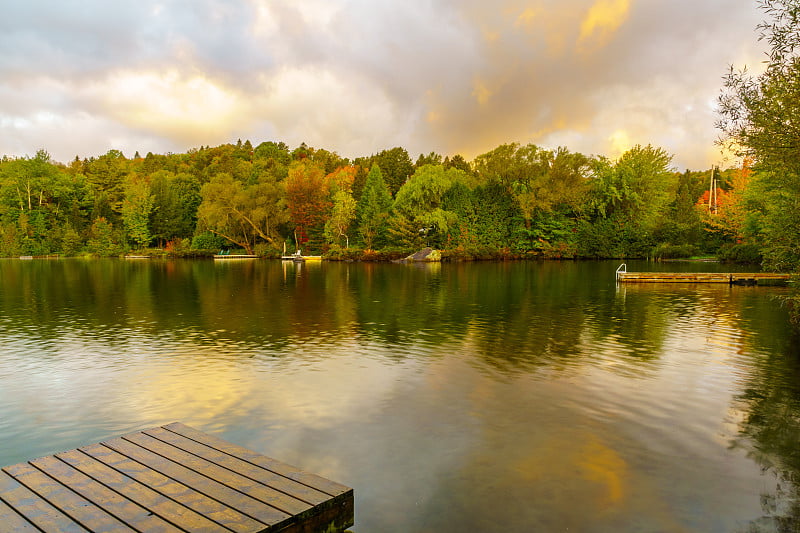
(626, 201)
(760, 118)
(418, 217)
(547, 187)
(243, 214)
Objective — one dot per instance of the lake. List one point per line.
(518, 396)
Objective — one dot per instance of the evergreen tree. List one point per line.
(372, 210)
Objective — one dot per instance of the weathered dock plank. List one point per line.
(13, 521)
(33, 508)
(300, 492)
(276, 500)
(164, 503)
(65, 498)
(312, 480)
(170, 478)
(135, 516)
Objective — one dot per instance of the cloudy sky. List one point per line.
(358, 76)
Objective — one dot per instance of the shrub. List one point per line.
(740, 253)
(71, 242)
(666, 250)
(207, 241)
(104, 239)
(263, 249)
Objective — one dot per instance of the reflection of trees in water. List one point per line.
(511, 317)
(508, 317)
(769, 431)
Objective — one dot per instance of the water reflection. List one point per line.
(490, 397)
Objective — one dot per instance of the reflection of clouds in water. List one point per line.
(497, 396)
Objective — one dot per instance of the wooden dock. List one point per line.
(733, 278)
(171, 478)
(235, 256)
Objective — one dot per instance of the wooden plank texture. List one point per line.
(266, 477)
(175, 512)
(169, 479)
(14, 521)
(33, 507)
(67, 500)
(253, 508)
(312, 480)
(132, 514)
(255, 490)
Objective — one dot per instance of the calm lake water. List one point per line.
(455, 397)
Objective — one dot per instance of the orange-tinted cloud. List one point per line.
(357, 77)
(601, 21)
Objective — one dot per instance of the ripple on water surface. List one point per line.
(535, 395)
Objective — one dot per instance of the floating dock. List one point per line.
(235, 256)
(734, 278)
(171, 478)
(301, 258)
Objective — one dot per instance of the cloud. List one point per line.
(602, 20)
(585, 71)
(359, 76)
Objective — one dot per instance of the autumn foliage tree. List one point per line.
(343, 205)
(308, 201)
(729, 216)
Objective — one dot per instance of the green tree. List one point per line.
(682, 226)
(431, 159)
(636, 188)
(417, 214)
(343, 205)
(626, 201)
(106, 174)
(457, 161)
(37, 199)
(547, 187)
(760, 117)
(175, 202)
(242, 214)
(396, 167)
(136, 207)
(372, 210)
(103, 239)
(343, 213)
(276, 151)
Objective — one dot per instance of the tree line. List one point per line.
(513, 201)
